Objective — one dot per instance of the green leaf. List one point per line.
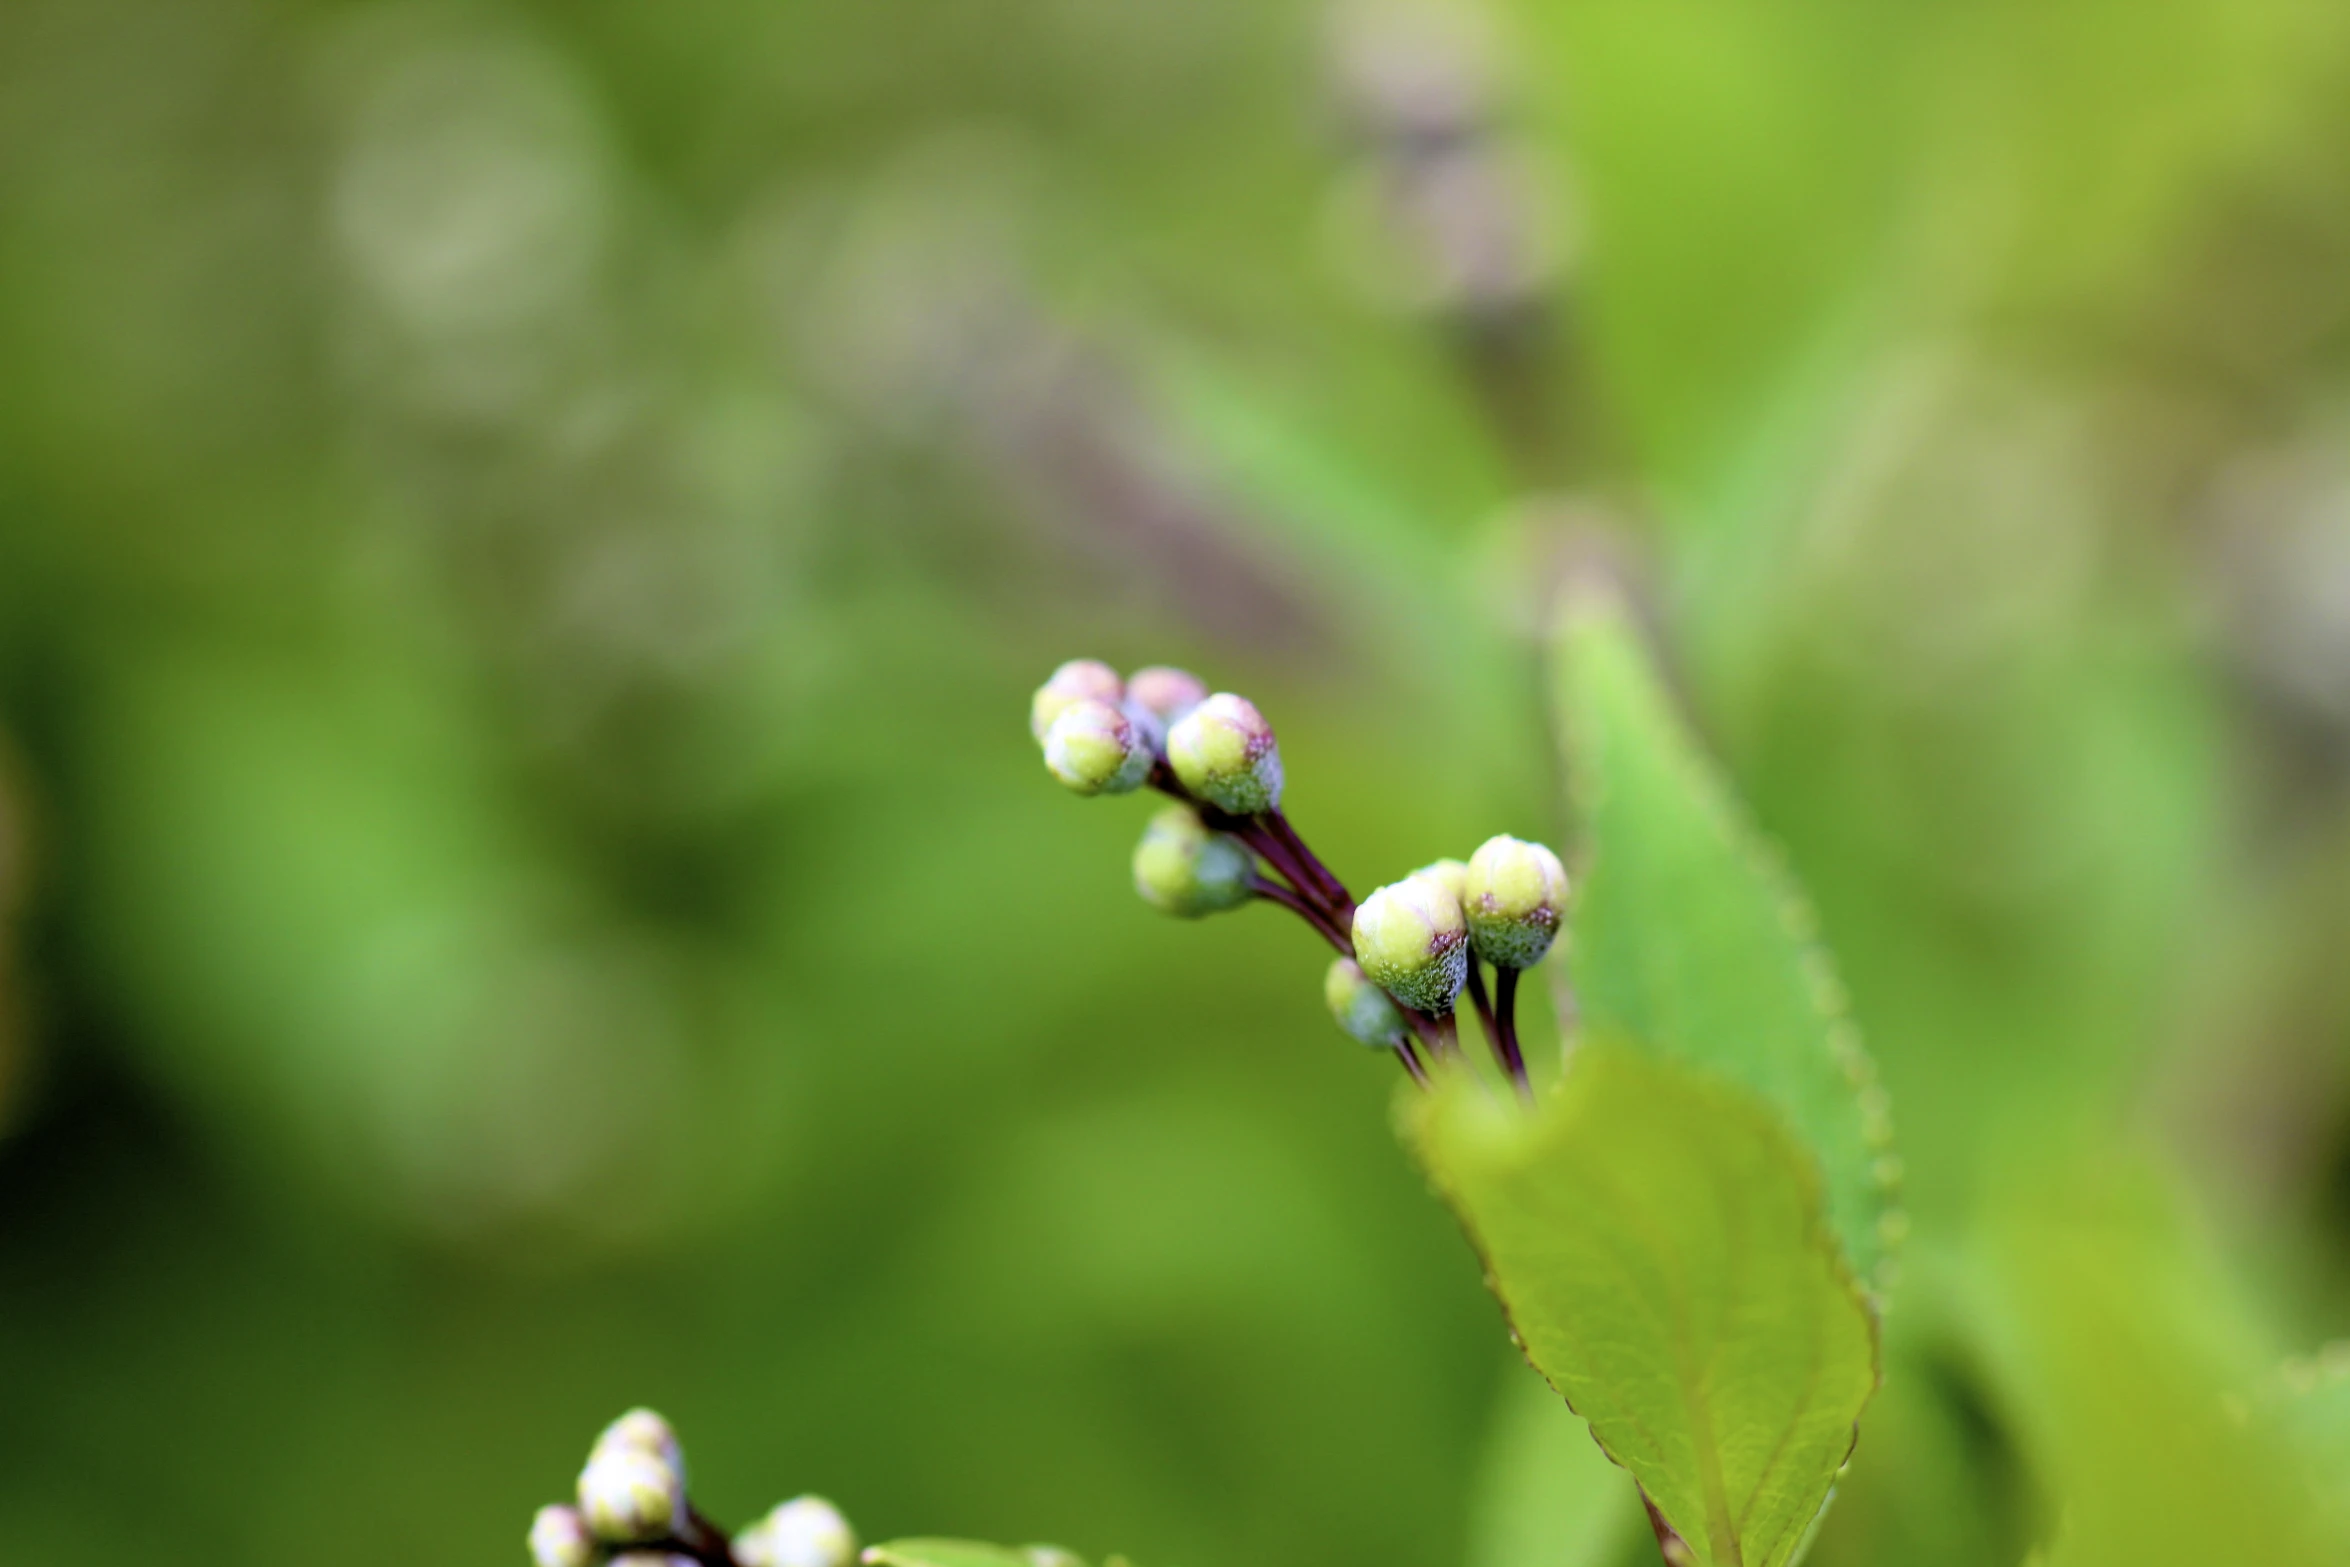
(1686, 937)
(2122, 1356)
(1655, 1238)
(964, 1553)
(2310, 1405)
(1546, 1495)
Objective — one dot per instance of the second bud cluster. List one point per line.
(1406, 953)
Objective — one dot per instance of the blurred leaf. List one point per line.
(2312, 1408)
(1655, 1239)
(2124, 1361)
(1687, 938)
(965, 1553)
(1548, 1497)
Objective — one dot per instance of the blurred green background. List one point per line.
(526, 532)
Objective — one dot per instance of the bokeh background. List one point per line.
(526, 532)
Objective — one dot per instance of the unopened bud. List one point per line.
(559, 1538)
(1223, 750)
(806, 1531)
(1453, 873)
(1094, 748)
(646, 1432)
(1079, 680)
(1166, 691)
(1411, 940)
(1183, 867)
(1362, 1008)
(1517, 892)
(629, 1495)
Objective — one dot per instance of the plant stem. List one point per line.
(1411, 1061)
(1333, 890)
(1505, 1042)
(702, 1540)
(1275, 892)
(1483, 1004)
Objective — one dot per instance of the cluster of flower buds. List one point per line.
(1405, 954)
(632, 1511)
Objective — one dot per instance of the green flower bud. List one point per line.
(1362, 1008)
(559, 1538)
(1516, 894)
(1411, 940)
(1166, 691)
(1095, 748)
(1223, 751)
(1080, 679)
(1182, 867)
(1452, 873)
(806, 1531)
(631, 1494)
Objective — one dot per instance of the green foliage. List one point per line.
(1547, 1495)
(1655, 1238)
(966, 1553)
(2126, 1368)
(1687, 939)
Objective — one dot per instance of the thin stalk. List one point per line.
(1446, 1026)
(1484, 1004)
(1289, 898)
(1505, 1042)
(1411, 1061)
(1333, 890)
(702, 1540)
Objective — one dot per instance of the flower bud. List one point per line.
(1095, 748)
(1516, 894)
(1166, 691)
(1080, 679)
(1362, 1008)
(1184, 868)
(631, 1494)
(646, 1432)
(1411, 940)
(806, 1531)
(1223, 751)
(559, 1538)
(1453, 873)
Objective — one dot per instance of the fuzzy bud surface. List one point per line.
(1516, 896)
(1413, 942)
(1166, 691)
(1093, 747)
(1080, 679)
(806, 1531)
(1224, 752)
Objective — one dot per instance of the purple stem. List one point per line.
(1333, 890)
(1274, 892)
(1411, 1061)
(1483, 1003)
(1505, 1042)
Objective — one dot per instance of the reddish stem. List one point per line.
(1505, 1042)
(1333, 890)
(1275, 892)
(1411, 1061)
